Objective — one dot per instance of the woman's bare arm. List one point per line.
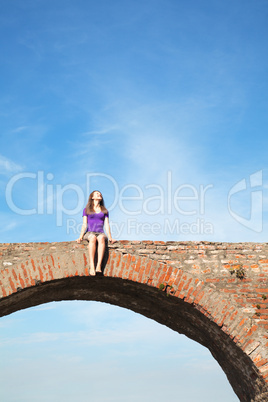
(83, 229)
(108, 229)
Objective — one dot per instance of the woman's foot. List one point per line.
(92, 271)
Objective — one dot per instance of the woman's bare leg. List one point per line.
(101, 251)
(91, 251)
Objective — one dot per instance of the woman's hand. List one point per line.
(112, 241)
(83, 229)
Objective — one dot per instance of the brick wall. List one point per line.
(215, 293)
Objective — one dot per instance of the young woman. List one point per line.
(95, 217)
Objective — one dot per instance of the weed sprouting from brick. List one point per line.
(239, 271)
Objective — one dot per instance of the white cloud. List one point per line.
(19, 129)
(7, 166)
(9, 226)
(102, 130)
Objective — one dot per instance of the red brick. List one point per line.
(206, 283)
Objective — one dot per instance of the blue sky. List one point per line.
(161, 105)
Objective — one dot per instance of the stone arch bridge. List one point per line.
(214, 293)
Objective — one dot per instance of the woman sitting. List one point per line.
(95, 217)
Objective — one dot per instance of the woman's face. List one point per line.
(97, 196)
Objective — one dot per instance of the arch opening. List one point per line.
(98, 351)
(149, 302)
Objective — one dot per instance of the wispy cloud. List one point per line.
(19, 129)
(7, 166)
(9, 226)
(103, 130)
(93, 337)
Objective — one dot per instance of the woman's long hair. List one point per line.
(90, 203)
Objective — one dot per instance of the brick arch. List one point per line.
(201, 306)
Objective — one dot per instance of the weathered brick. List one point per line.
(199, 273)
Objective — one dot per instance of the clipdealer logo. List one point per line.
(185, 199)
(254, 200)
(133, 226)
(167, 202)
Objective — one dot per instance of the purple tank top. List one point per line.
(95, 221)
